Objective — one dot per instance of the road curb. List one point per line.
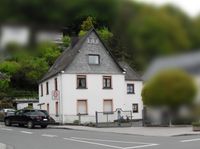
(173, 135)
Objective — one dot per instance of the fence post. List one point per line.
(107, 119)
(96, 115)
(79, 119)
(131, 118)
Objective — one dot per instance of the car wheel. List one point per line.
(21, 125)
(7, 122)
(44, 126)
(30, 124)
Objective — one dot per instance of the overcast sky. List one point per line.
(191, 7)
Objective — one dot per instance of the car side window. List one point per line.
(19, 112)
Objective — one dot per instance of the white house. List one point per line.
(86, 78)
(24, 103)
(14, 33)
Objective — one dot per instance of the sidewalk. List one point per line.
(145, 131)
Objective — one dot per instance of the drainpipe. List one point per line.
(61, 100)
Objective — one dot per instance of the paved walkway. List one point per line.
(145, 131)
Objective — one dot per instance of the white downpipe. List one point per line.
(61, 100)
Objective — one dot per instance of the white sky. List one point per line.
(191, 7)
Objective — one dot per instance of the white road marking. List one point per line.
(114, 141)
(49, 135)
(27, 132)
(100, 144)
(141, 146)
(82, 140)
(8, 129)
(191, 140)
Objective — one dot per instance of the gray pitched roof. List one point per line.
(130, 73)
(189, 62)
(68, 55)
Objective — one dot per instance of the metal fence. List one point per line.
(117, 118)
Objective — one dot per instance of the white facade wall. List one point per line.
(135, 98)
(48, 99)
(94, 94)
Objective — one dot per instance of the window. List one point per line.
(130, 89)
(30, 105)
(94, 59)
(48, 108)
(56, 84)
(107, 106)
(107, 82)
(82, 107)
(135, 108)
(56, 108)
(20, 112)
(41, 89)
(81, 81)
(47, 88)
(93, 40)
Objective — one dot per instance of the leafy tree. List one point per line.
(105, 34)
(66, 41)
(4, 83)
(171, 88)
(49, 52)
(9, 67)
(88, 24)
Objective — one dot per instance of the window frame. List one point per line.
(137, 109)
(56, 84)
(97, 55)
(77, 107)
(47, 88)
(133, 86)
(77, 81)
(41, 90)
(106, 87)
(56, 109)
(111, 112)
(48, 107)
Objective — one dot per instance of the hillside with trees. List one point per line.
(135, 32)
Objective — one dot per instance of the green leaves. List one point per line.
(66, 41)
(88, 24)
(170, 88)
(25, 68)
(9, 67)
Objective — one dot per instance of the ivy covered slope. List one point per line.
(24, 67)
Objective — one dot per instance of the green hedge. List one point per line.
(196, 124)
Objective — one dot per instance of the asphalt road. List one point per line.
(23, 138)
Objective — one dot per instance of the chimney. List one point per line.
(72, 34)
(74, 39)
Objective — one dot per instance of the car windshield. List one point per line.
(45, 112)
(37, 113)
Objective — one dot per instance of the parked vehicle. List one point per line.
(6, 112)
(29, 118)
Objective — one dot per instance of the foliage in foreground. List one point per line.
(171, 88)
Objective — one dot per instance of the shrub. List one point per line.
(197, 124)
(76, 122)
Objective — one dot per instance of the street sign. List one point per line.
(55, 95)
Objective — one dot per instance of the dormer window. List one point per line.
(93, 40)
(94, 59)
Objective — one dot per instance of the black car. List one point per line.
(29, 118)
